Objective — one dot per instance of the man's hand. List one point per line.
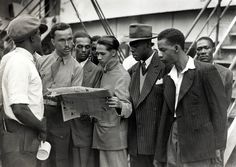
(218, 157)
(84, 117)
(114, 102)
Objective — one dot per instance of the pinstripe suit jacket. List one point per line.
(201, 116)
(144, 121)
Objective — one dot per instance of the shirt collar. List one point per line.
(83, 62)
(190, 65)
(65, 58)
(25, 52)
(148, 61)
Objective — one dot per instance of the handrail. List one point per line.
(224, 36)
(208, 19)
(222, 14)
(197, 19)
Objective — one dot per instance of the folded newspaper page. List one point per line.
(78, 100)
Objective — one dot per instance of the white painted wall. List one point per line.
(181, 20)
(124, 8)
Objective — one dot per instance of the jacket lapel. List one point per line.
(169, 92)
(135, 84)
(155, 68)
(186, 83)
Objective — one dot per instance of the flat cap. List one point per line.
(24, 26)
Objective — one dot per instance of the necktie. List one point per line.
(55, 66)
(144, 69)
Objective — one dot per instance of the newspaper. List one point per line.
(78, 100)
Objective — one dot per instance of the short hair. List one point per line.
(81, 34)
(207, 39)
(58, 26)
(174, 36)
(110, 42)
(96, 38)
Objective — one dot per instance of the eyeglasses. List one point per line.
(81, 46)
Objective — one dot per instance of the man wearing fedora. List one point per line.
(146, 96)
(22, 95)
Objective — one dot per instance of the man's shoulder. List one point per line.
(202, 66)
(222, 68)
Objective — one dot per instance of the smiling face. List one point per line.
(168, 51)
(82, 48)
(63, 42)
(204, 51)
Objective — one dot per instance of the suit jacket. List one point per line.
(82, 130)
(144, 120)
(227, 79)
(200, 114)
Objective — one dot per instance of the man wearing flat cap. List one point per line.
(24, 125)
(146, 96)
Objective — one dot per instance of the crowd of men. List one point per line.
(166, 110)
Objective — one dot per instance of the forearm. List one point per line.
(126, 109)
(23, 113)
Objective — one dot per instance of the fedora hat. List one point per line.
(140, 32)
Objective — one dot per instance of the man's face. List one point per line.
(93, 47)
(104, 56)
(37, 42)
(167, 51)
(138, 50)
(204, 51)
(82, 48)
(63, 42)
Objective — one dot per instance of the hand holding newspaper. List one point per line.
(79, 100)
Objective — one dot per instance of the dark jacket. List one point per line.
(201, 116)
(144, 121)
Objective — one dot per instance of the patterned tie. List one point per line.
(144, 69)
(55, 67)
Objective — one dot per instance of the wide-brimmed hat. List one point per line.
(140, 32)
(23, 26)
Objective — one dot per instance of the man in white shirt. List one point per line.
(22, 94)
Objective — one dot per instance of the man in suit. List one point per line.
(82, 128)
(205, 49)
(193, 121)
(146, 91)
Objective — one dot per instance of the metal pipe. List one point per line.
(77, 13)
(221, 16)
(197, 19)
(218, 22)
(208, 19)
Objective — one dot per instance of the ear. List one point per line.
(31, 38)
(53, 42)
(176, 48)
(113, 52)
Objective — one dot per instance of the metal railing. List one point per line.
(204, 25)
(197, 19)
